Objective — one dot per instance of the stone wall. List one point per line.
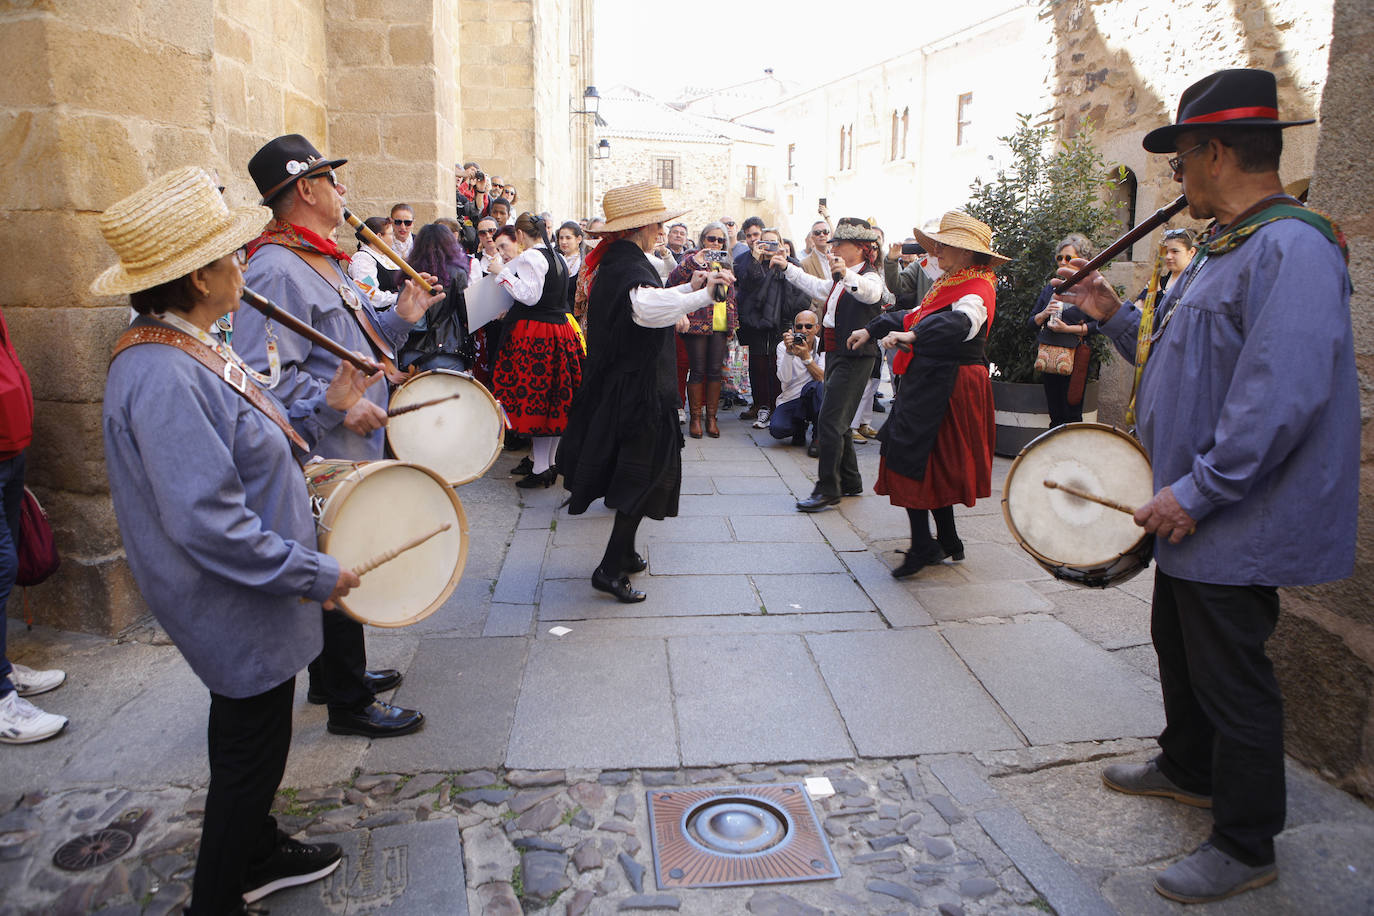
(709, 177)
(112, 93)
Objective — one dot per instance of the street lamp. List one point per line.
(603, 150)
(591, 102)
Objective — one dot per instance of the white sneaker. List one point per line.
(31, 683)
(23, 723)
(762, 421)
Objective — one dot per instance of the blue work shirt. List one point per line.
(285, 278)
(1249, 409)
(216, 522)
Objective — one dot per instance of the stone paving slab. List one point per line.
(575, 599)
(519, 581)
(726, 714)
(1055, 685)
(580, 531)
(637, 627)
(402, 870)
(467, 690)
(1110, 617)
(594, 703)
(837, 531)
(986, 562)
(896, 604)
(796, 528)
(746, 558)
(702, 486)
(810, 593)
(965, 602)
(753, 467)
(749, 486)
(576, 562)
(904, 692)
(738, 505)
(1064, 889)
(538, 517)
(509, 620)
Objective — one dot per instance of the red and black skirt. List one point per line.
(536, 374)
(959, 469)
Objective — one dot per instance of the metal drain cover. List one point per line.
(725, 836)
(102, 846)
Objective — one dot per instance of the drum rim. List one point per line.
(363, 469)
(1049, 564)
(500, 426)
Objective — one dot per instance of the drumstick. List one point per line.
(1090, 497)
(390, 555)
(386, 249)
(397, 411)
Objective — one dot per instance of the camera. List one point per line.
(480, 176)
(770, 246)
(912, 248)
(716, 259)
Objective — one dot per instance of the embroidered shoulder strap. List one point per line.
(230, 374)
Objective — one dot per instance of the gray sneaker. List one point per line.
(1146, 779)
(1208, 874)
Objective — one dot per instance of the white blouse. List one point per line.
(524, 277)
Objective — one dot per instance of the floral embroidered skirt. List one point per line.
(536, 374)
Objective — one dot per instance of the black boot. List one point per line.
(947, 534)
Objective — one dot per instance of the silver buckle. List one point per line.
(236, 377)
(349, 297)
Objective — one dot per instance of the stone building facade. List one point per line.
(708, 165)
(111, 93)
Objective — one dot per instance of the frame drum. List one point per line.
(364, 509)
(1072, 538)
(460, 438)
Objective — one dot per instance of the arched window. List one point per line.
(1122, 199)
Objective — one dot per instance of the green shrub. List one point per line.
(1042, 197)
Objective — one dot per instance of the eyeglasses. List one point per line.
(1175, 233)
(403, 222)
(241, 257)
(802, 327)
(728, 222)
(718, 239)
(1176, 162)
(820, 232)
(1063, 258)
(329, 175)
(486, 231)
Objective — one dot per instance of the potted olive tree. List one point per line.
(1047, 192)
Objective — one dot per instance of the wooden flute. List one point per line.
(271, 310)
(1160, 217)
(376, 242)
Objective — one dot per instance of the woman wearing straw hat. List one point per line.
(623, 443)
(937, 444)
(212, 504)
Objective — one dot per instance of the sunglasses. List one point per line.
(820, 231)
(1176, 162)
(802, 327)
(403, 222)
(718, 239)
(486, 231)
(1063, 258)
(329, 176)
(729, 222)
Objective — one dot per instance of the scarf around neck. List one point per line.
(289, 235)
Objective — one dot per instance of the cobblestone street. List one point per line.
(961, 717)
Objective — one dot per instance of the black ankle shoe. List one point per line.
(634, 563)
(526, 466)
(915, 561)
(619, 587)
(379, 681)
(952, 548)
(530, 481)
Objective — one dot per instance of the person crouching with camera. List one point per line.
(801, 373)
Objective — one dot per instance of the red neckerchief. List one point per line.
(280, 232)
(945, 291)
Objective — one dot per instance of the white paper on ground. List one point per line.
(819, 787)
(559, 631)
(485, 300)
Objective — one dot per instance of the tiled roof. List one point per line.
(630, 113)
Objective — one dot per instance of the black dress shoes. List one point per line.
(954, 549)
(379, 681)
(857, 491)
(634, 563)
(619, 587)
(917, 560)
(376, 720)
(532, 480)
(817, 502)
(526, 466)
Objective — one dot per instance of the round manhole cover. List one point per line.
(737, 826)
(92, 849)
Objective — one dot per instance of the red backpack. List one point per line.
(37, 550)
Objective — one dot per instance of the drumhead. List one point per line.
(1064, 530)
(460, 439)
(377, 506)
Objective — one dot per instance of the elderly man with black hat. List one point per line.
(296, 264)
(853, 296)
(1248, 406)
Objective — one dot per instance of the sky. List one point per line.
(728, 43)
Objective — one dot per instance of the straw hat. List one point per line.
(172, 226)
(959, 230)
(634, 206)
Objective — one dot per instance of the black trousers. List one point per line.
(837, 467)
(1223, 732)
(1057, 400)
(339, 671)
(248, 741)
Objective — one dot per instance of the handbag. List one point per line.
(37, 549)
(1054, 360)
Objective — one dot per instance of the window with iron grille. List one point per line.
(665, 173)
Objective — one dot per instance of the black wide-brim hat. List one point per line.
(1237, 98)
(283, 160)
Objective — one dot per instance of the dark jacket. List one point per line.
(766, 301)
